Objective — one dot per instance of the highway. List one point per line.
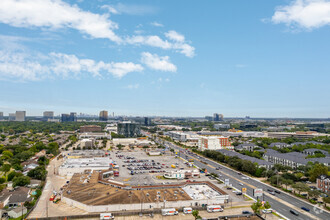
(280, 202)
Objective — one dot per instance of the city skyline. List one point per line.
(266, 59)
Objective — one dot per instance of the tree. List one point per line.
(12, 175)
(313, 193)
(267, 205)
(195, 213)
(326, 200)
(6, 155)
(2, 180)
(316, 171)
(21, 181)
(39, 173)
(300, 187)
(5, 168)
(256, 207)
(119, 146)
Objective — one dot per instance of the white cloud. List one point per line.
(156, 62)
(307, 14)
(21, 66)
(131, 9)
(173, 35)
(156, 24)
(56, 14)
(133, 86)
(156, 41)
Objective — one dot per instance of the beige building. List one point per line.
(20, 116)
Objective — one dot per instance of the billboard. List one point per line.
(257, 192)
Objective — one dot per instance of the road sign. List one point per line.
(257, 192)
(243, 190)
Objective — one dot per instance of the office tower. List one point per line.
(217, 117)
(11, 116)
(48, 115)
(128, 129)
(147, 121)
(20, 116)
(1, 115)
(103, 115)
(69, 117)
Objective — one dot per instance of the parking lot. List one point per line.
(138, 168)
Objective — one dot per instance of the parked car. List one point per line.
(246, 212)
(294, 212)
(306, 209)
(267, 211)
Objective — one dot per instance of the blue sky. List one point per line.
(175, 58)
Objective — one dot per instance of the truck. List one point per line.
(187, 210)
(170, 211)
(106, 216)
(214, 208)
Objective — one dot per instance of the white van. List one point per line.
(106, 216)
(214, 208)
(187, 210)
(171, 211)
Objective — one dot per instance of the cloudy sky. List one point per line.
(176, 58)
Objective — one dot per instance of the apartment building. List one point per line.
(214, 143)
(323, 183)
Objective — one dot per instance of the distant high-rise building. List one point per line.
(1, 115)
(11, 116)
(103, 115)
(20, 116)
(48, 115)
(147, 121)
(217, 117)
(128, 129)
(69, 117)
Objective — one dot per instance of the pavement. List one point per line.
(282, 203)
(46, 208)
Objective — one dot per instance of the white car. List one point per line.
(267, 211)
(245, 178)
(241, 184)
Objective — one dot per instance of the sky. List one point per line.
(166, 58)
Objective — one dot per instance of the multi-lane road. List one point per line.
(282, 202)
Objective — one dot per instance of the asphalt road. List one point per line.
(235, 179)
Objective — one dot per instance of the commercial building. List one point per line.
(103, 115)
(90, 128)
(221, 126)
(1, 115)
(11, 116)
(214, 143)
(95, 135)
(182, 174)
(217, 117)
(69, 117)
(20, 116)
(108, 195)
(147, 121)
(84, 154)
(323, 183)
(298, 134)
(48, 115)
(85, 143)
(128, 129)
(79, 165)
(233, 133)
